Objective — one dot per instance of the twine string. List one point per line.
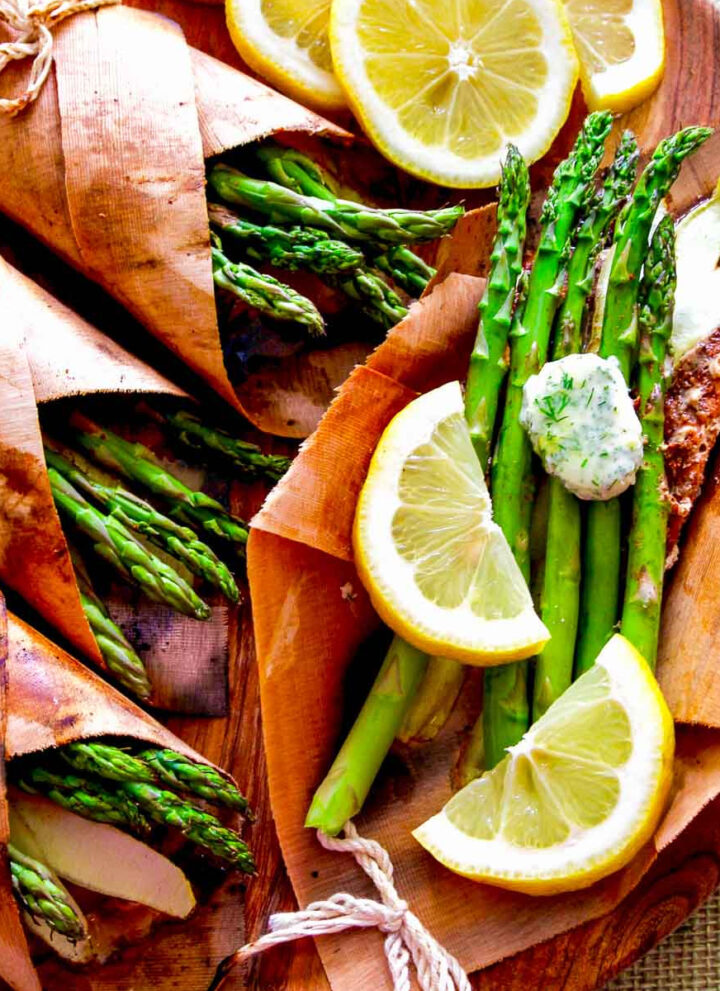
(32, 26)
(406, 941)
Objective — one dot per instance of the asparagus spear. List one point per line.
(433, 701)
(87, 798)
(405, 268)
(263, 292)
(116, 545)
(136, 514)
(601, 571)
(200, 827)
(292, 248)
(115, 648)
(134, 805)
(488, 363)
(247, 458)
(377, 300)
(154, 766)
(344, 219)
(43, 896)
(346, 785)
(505, 708)
(138, 464)
(561, 588)
(293, 170)
(646, 558)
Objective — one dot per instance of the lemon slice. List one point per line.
(621, 46)
(580, 794)
(286, 42)
(438, 570)
(442, 88)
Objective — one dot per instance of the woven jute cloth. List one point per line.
(688, 960)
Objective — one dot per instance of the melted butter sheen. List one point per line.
(582, 424)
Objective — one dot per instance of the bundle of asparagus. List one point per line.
(98, 794)
(314, 677)
(574, 225)
(118, 502)
(280, 213)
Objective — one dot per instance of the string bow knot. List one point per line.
(407, 940)
(32, 26)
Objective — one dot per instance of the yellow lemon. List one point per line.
(580, 794)
(442, 88)
(286, 42)
(438, 569)
(621, 46)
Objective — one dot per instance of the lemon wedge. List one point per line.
(580, 794)
(286, 42)
(438, 569)
(442, 88)
(621, 46)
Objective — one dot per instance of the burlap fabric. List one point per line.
(688, 960)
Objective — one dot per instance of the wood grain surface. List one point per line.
(183, 956)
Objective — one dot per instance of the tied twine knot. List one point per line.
(407, 939)
(32, 26)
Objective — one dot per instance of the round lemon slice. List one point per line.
(621, 46)
(442, 88)
(580, 794)
(438, 569)
(286, 42)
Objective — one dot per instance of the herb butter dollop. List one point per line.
(582, 424)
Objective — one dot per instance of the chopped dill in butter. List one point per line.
(582, 424)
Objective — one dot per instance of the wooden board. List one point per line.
(183, 956)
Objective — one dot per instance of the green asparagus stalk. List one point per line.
(245, 457)
(377, 300)
(293, 170)
(118, 653)
(345, 788)
(138, 464)
(505, 710)
(561, 584)
(202, 828)
(180, 773)
(344, 219)
(441, 684)
(291, 248)
(646, 558)
(433, 701)
(42, 895)
(136, 514)
(87, 798)
(405, 268)
(134, 805)
(116, 545)
(488, 362)
(601, 574)
(263, 292)
(154, 766)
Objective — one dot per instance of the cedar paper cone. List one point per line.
(312, 616)
(107, 167)
(47, 353)
(48, 700)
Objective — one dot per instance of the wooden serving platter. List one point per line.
(183, 956)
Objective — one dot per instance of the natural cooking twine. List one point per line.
(32, 25)
(407, 939)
